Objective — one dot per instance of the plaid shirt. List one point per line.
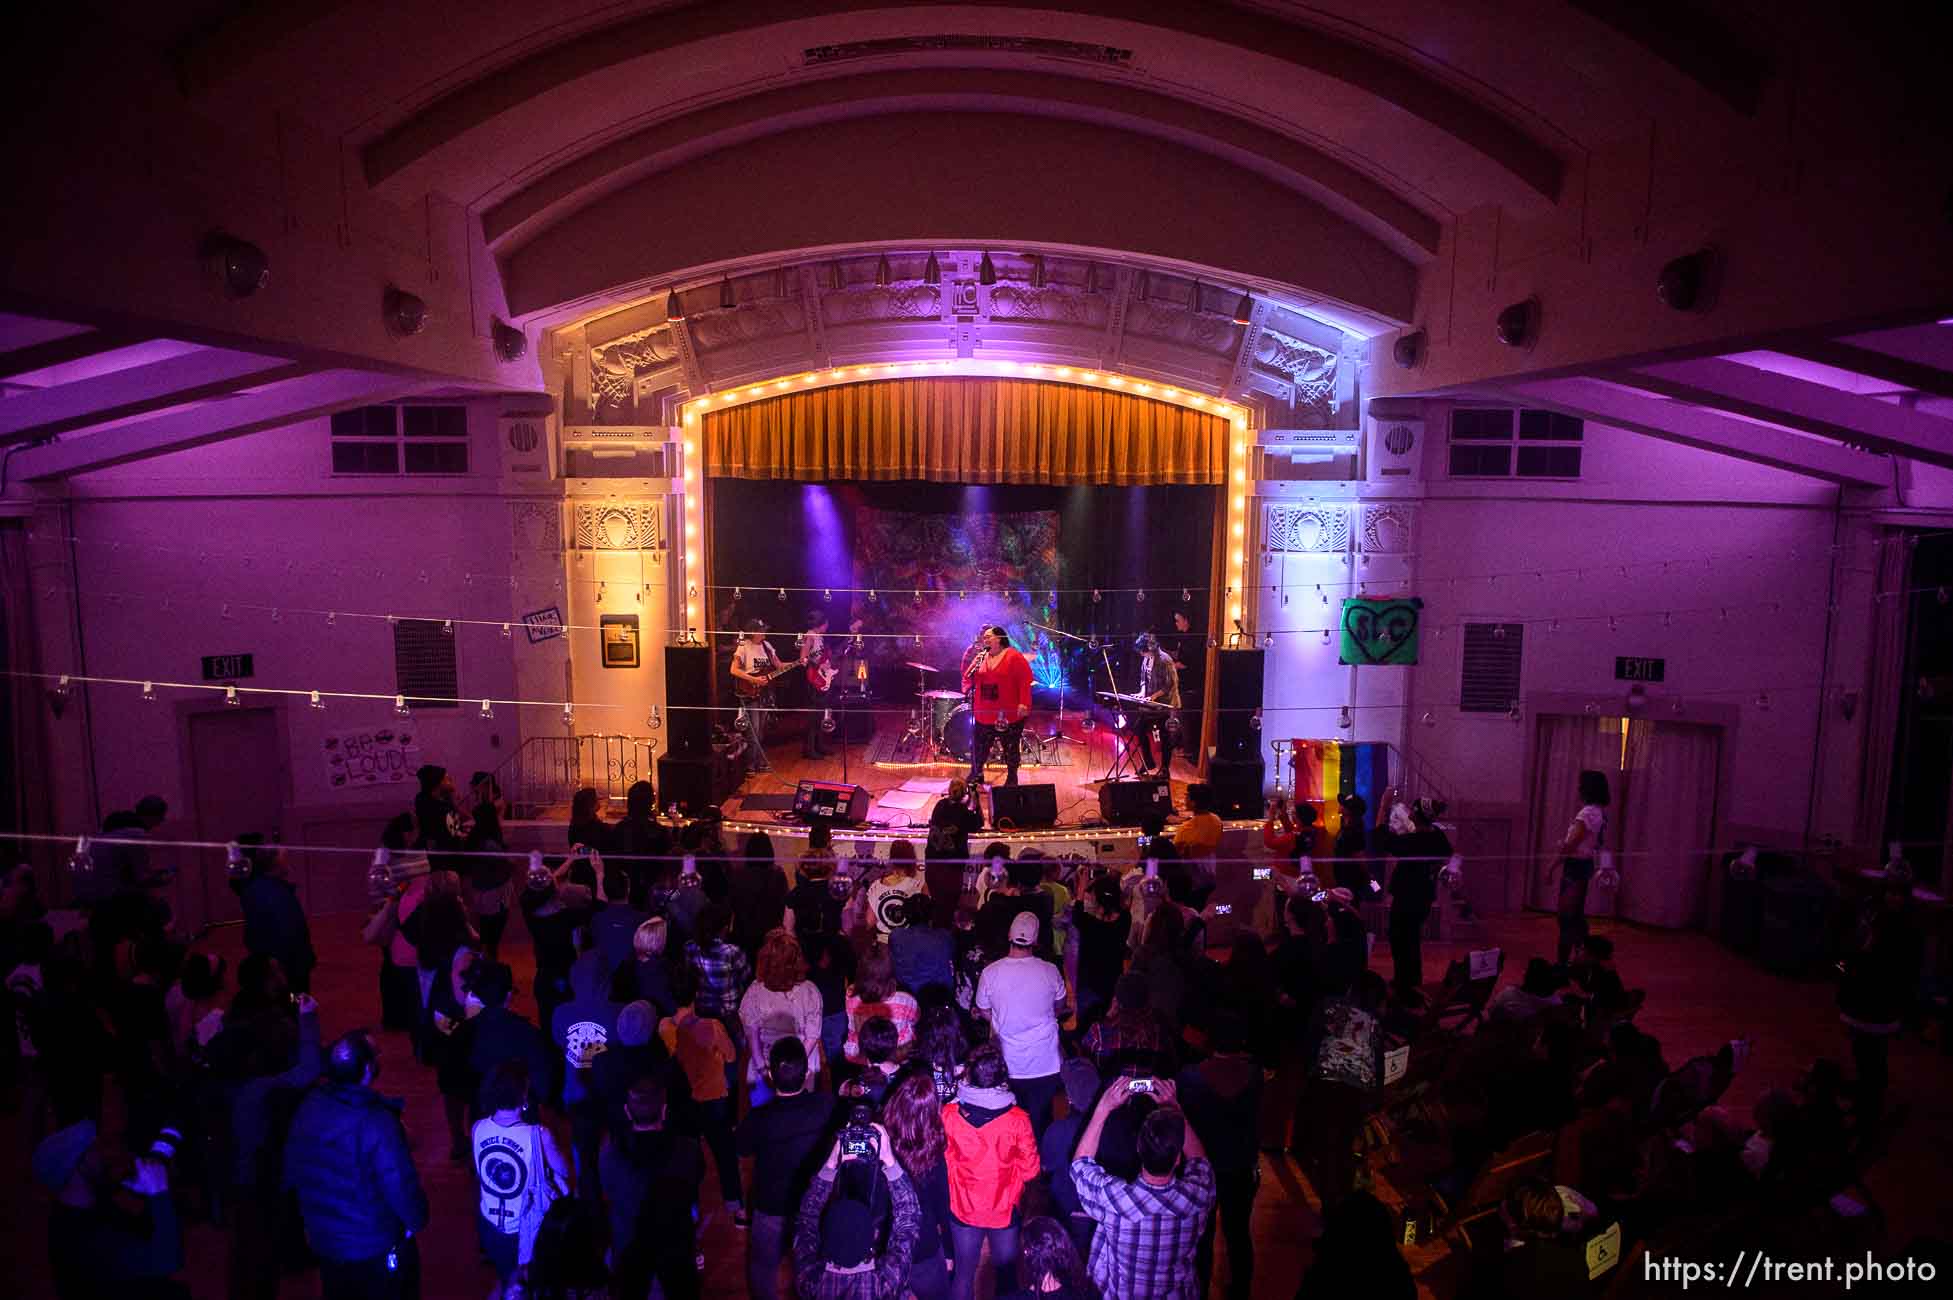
(887, 1280)
(1144, 1247)
(723, 973)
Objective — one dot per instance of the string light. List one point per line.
(506, 631)
(400, 705)
(656, 720)
(314, 701)
(149, 692)
(487, 709)
(230, 697)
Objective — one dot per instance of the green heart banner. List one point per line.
(1379, 630)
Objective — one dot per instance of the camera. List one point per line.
(1320, 896)
(1223, 909)
(1146, 841)
(1375, 888)
(859, 1141)
(1264, 873)
(1139, 1085)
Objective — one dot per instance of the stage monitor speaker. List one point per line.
(830, 801)
(688, 693)
(696, 782)
(1023, 806)
(1235, 786)
(1238, 677)
(1128, 803)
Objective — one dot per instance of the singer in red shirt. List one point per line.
(1001, 680)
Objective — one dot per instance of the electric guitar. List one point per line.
(821, 670)
(746, 690)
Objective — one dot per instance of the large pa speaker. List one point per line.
(1022, 806)
(1128, 803)
(1235, 784)
(688, 693)
(1237, 681)
(830, 801)
(696, 782)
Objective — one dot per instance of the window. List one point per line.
(1483, 444)
(400, 440)
(423, 664)
(1490, 682)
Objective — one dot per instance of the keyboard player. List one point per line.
(1159, 683)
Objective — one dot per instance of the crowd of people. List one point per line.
(901, 1073)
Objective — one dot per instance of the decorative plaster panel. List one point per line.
(536, 526)
(912, 300)
(627, 526)
(616, 366)
(1200, 330)
(745, 323)
(1389, 528)
(1312, 529)
(1051, 303)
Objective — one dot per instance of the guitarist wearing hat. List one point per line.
(754, 668)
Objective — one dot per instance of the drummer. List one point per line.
(1001, 679)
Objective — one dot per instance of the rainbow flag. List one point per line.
(1326, 770)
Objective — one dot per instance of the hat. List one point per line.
(847, 1232)
(1023, 930)
(636, 1023)
(60, 1154)
(429, 775)
(1132, 991)
(1081, 1081)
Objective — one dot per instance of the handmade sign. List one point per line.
(1379, 630)
(371, 755)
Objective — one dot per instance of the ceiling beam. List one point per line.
(59, 352)
(287, 403)
(137, 391)
(1799, 404)
(1873, 364)
(1703, 430)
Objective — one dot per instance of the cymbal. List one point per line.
(922, 668)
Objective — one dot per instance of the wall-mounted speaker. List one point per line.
(1395, 449)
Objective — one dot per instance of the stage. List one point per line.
(904, 782)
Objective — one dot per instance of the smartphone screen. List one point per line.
(1264, 873)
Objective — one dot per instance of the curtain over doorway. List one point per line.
(1661, 825)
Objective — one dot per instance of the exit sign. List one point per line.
(227, 668)
(1627, 668)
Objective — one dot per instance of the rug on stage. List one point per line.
(889, 749)
(907, 800)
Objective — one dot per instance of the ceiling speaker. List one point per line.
(239, 265)
(1688, 282)
(405, 313)
(510, 343)
(1408, 350)
(1518, 324)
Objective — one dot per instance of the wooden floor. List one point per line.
(1090, 755)
(1699, 994)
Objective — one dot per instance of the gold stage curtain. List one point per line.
(964, 430)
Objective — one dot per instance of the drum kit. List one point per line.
(946, 724)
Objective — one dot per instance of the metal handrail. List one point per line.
(547, 771)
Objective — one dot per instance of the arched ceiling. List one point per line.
(1385, 119)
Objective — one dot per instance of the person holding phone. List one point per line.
(1149, 1229)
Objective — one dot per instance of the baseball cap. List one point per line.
(1023, 930)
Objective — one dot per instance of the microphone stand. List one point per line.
(1064, 685)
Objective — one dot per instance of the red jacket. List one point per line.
(1003, 690)
(988, 1164)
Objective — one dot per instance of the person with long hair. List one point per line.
(588, 829)
(780, 1001)
(488, 875)
(1048, 1265)
(941, 1044)
(913, 1116)
(1585, 840)
(569, 1260)
(875, 994)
